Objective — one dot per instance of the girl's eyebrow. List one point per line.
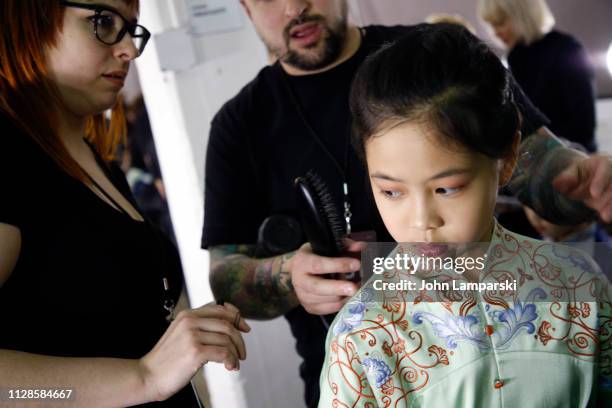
(383, 176)
(442, 174)
(448, 173)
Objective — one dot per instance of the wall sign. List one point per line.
(211, 16)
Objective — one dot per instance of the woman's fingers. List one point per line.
(220, 340)
(225, 328)
(226, 312)
(241, 322)
(193, 339)
(221, 355)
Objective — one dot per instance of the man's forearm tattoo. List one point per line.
(542, 157)
(261, 288)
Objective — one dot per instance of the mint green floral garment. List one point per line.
(543, 348)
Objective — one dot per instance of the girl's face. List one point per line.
(429, 192)
(88, 73)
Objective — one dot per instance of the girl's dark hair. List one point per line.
(443, 76)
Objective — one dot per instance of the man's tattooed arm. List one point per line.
(542, 157)
(260, 288)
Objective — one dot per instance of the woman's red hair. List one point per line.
(27, 28)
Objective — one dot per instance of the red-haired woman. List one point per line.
(86, 284)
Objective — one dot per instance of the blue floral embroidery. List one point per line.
(576, 257)
(509, 322)
(536, 294)
(366, 295)
(353, 313)
(378, 368)
(351, 317)
(454, 328)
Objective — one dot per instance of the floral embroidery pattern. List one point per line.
(511, 322)
(354, 313)
(575, 257)
(378, 369)
(508, 323)
(455, 329)
(351, 318)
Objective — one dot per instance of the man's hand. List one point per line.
(590, 181)
(317, 294)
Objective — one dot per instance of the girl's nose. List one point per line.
(423, 214)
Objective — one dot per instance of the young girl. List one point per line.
(437, 149)
(86, 284)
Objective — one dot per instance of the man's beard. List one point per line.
(333, 38)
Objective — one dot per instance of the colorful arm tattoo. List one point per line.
(542, 157)
(260, 288)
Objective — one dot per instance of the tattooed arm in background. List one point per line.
(270, 287)
(260, 288)
(548, 172)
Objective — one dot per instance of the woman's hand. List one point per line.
(197, 336)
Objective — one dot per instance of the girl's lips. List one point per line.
(432, 250)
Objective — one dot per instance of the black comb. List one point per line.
(320, 219)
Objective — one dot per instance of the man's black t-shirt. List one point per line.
(259, 144)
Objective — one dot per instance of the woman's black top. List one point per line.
(557, 76)
(88, 280)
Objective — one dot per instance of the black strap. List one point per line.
(107, 195)
(108, 174)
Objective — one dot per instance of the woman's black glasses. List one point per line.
(110, 27)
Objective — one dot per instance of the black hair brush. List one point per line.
(321, 224)
(320, 219)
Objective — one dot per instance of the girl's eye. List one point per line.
(447, 191)
(391, 194)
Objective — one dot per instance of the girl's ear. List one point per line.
(508, 163)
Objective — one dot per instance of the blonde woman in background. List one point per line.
(552, 67)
